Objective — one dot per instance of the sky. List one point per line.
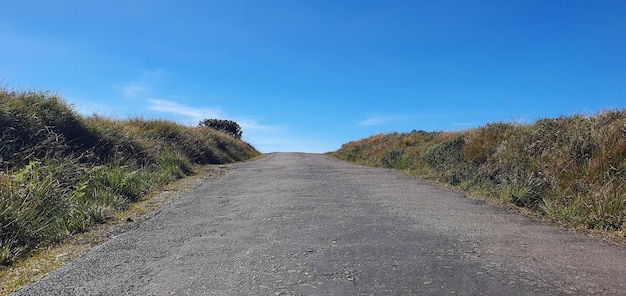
(311, 75)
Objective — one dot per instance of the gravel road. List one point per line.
(308, 224)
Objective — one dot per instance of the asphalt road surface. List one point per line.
(308, 224)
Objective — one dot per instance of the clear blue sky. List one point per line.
(310, 75)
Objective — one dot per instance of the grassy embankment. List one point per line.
(572, 169)
(63, 173)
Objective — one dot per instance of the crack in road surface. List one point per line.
(309, 224)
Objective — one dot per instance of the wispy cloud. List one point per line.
(379, 120)
(264, 137)
(193, 115)
(143, 86)
(251, 124)
(190, 114)
(133, 90)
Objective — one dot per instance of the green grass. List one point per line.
(63, 173)
(572, 169)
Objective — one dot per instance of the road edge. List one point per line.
(44, 261)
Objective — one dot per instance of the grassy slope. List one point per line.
(63, 173)
(572, 169)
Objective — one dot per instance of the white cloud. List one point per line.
(251, 124)
(379, 120)
(266, 138)
(192, 115)
(133, 90)
(143, 86)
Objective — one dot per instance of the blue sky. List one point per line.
(310, 75)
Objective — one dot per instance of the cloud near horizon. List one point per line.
(263, 137)
(193, 115)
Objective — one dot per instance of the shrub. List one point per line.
(227, 126)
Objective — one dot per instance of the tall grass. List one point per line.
(570, 168)
(63, 173)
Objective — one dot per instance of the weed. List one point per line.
(397, 159)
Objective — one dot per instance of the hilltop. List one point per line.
(63, 173)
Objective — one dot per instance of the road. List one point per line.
(309, 224)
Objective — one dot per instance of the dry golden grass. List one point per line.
(570, 169)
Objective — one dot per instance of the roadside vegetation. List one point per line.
(571, 169)
(62, 173)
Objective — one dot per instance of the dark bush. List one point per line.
(228, 126)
